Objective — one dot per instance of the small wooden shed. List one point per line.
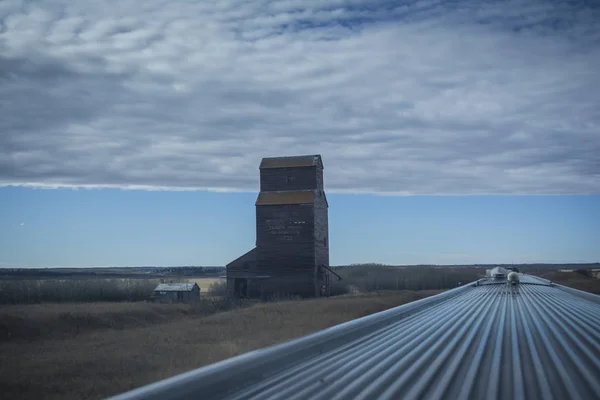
(177, 292)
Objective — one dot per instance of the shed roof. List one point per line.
(281, 198)
(175, 287)
(291, 161)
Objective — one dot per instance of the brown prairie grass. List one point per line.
(574, 280)
(105, 349)
(205, 283)
(53, 320)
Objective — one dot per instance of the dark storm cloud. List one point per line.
(420, 97)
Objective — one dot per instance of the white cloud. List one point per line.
(416, 98)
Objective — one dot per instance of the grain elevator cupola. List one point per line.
(292, 244)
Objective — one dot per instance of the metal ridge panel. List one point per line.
(575, 292)
(523, 278)
(486, 341)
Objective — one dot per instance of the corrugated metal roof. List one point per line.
(492, 342)
(530, 341)
(290, 162)
(523, 278)
(279, 198)
(175, 287)
(499, 271)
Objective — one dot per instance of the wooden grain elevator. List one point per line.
(291, 256)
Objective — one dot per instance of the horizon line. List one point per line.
(333, 266)
(159, 188)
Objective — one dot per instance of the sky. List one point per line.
(451, 131)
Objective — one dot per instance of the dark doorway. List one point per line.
(240, 287)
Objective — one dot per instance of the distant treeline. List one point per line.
(374, 277)
(75, 290)
(198, 271)
(358, 277)
(105, 272)
(544, 267)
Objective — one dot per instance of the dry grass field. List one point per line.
(90, 351)
(574, 279)
(93, 349)
(205, 283)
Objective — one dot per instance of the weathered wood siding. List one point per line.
(230, 287)
(254, 287)
(280, 179)
(178, 297)
(321, 233)
(286, 248)
(242, 266)
(319, 179)
(292, 232)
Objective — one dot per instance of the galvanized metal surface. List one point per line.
(499, 271)
(291, 161)
(282, 198)
(523, 278)
(533, 340)
(175, 287)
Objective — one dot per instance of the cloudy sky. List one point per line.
(405, 98)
